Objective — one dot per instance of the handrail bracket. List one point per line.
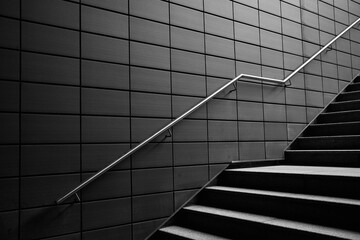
(234, 89)
(167, 135)
(329, 48)
(77, 197)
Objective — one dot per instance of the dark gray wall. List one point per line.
(82, 81)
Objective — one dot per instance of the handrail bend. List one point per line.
(185, 114)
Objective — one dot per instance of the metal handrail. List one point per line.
(171, 124)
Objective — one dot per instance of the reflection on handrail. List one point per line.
(185, 114)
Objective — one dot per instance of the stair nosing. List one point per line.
(340, 112)
(331, 136)
(344, 102)
(273, 221)
(311, 171)
(356, 92)
(322, 150)
(335, 123)
(192, 232)
(301, 196)
(354, 83)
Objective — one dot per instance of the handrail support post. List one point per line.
(167, 135)
(288, 83)
(234, 89)
(77, 197)
(235, 85)
(328, 49)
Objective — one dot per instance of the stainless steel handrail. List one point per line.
(185, 114)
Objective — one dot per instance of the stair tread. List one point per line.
(345, 102)
(352, 92)
(323, 150)
(340, 112)
(276, 222)
(287, 195)
(335, 123)
(190, 233)
(308, 170)
(330, 136)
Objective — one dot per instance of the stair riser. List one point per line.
(337, 159)
(327, 143)
(338, 117)
(316, 212)
(346, 106)
(353, 87)
(159, 235)
(333, 130)
(348, 96)
(213, 224)
(335, 186)
(356, 80)
(240, 229)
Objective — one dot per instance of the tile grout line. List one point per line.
(20, 130)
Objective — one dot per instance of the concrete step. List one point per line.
(335, 158)
(327, 142)
(177, 232)
(333, 129)
(353, 87)
(343, 106)
(323, 181)
(239, 225)
(334, 117)
(255, 163)
(322, 210)
(348, 96)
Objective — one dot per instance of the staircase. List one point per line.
(313, 194)
(333, 139)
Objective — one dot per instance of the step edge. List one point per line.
(339, 112)
(335, 124)
(352, 92)
(324, 150)
(300, 226)
(344, 102)
(289, 173)
(355, 83)
(278, 194)
(179, 229)
(331, 136)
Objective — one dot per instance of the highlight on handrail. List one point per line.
(185, 114)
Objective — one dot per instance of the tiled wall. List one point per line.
(83, 81)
